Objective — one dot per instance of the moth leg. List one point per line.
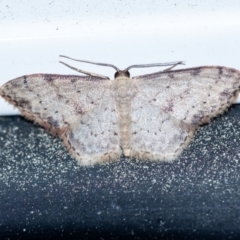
(153, 65)
(172, 65)
(96, 63)
(85, 72)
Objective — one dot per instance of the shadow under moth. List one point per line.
(153, 116)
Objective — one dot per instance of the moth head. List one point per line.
(120, 73)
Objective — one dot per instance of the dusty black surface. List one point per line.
(44, 194)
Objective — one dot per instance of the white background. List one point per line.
(34, 33)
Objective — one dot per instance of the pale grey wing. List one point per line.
(192, 95)
(95, 137)
(156, 135)
(169, 106)
(55, 101)
(78, 109)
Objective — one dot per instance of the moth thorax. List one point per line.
(123, 88)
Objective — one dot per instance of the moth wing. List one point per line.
(95, 137)
(54, 101)
(156, 134)
(193, 95)
(79, 109)
(169, 106)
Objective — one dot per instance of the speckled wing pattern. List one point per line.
(70, 107)
(169, 106)
(152, 116)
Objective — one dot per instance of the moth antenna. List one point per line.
(172, 64)
(85, 72)
(170, 68)
(95, 63)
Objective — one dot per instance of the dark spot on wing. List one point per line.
(25, 79)
(73, 80)
(48, 78)
(176, 150)
(225, 95)
(78, 109)
(196, 119)
(53, 122)
(24, 103)
(60, 96)
(168, 106)
(196, 71)
(220, 70)
(231, 70)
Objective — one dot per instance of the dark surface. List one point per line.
(45, 194)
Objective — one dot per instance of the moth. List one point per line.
(153, 116)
